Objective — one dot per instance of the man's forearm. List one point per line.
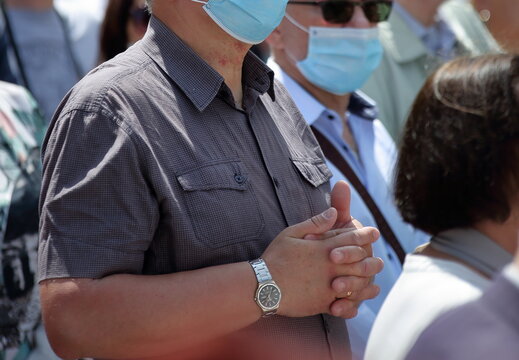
(135, 316)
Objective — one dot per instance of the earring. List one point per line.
(484, 15)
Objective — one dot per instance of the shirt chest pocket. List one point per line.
(313, 170)
(221, 203)
(315, 175)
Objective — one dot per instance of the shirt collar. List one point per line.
(416, 27)
(437, 38)
(311, 108)
(199, 81)
(474, 248)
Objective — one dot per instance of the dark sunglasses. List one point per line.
(140, 16)
(340, 12)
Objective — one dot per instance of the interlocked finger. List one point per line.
(329, 234)
(344, 286)
(359, 237)
(348, 254)
(367, 267)
(346, 307)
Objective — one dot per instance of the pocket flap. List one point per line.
(225, 174)
(314, 171)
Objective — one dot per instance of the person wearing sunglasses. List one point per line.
(323, 52)
(418, 37)
(124, 24)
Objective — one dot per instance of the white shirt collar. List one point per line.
(310, 108)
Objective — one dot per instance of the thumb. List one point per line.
(315, 225)
(340, 199)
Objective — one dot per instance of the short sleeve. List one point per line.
(98, 213)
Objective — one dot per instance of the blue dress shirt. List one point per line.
(373, 166)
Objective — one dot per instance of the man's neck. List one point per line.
(424, 11)
(30, 4)
(222, 52)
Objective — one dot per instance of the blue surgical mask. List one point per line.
(250, 21)
(340, 60)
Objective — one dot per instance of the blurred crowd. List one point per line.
(426, 120)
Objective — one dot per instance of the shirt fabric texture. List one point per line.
(407, 61)
(427, 288)
(374, 168)
(487, 328)
(149, 168)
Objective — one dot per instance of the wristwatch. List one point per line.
(268, 294)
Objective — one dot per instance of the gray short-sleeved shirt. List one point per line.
(149, 168)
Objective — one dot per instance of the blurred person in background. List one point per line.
(501, 19)
(22, 128)
(457, 178)
(49, 48)
(95, 7)
(487, 328)
(418, 37)
(124, 24)
(6, 73)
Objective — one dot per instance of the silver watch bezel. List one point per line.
(267, 310)
(264, 279)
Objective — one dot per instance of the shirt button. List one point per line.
(240, 179)
(326, 326)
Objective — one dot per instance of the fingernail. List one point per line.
(328, 214)
(338, 255)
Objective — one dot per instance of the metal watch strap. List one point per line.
(261, 270)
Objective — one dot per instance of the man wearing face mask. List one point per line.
(185, 205)
(323, 52)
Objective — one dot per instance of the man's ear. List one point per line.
(275, 39)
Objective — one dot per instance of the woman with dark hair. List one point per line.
(125, 23)
(458, 179)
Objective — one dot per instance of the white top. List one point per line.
(511, 272)
(427, 288)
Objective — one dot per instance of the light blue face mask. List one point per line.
(340, 60)
(250, 21)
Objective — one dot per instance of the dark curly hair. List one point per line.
(459, 156)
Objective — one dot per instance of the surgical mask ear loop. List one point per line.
(300, 27)
(293, 21)
(200, 1)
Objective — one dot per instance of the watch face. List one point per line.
(269, 296)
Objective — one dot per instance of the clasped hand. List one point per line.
(325, 264)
